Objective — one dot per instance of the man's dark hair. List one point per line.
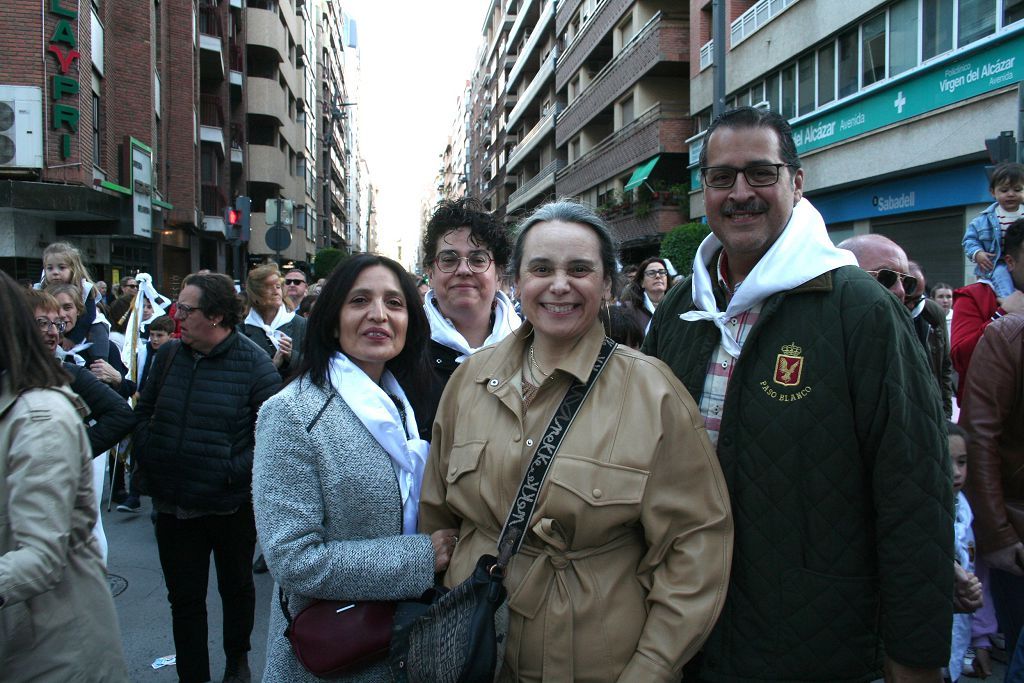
(321, 341)
(753, 117)
(23, 358)
(163, 323)
(1007, 172)
(1014, 238)
(217, 297)
(484, 229)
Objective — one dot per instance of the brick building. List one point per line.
(891, 102)
(128, 128)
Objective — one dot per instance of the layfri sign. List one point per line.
(64, 88)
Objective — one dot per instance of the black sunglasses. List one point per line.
(294, 282)
(888, 278)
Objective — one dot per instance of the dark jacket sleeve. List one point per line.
(99, 336)
(113, 416)
(265, 383)
(147, 400)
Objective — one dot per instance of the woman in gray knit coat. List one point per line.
(338, 462)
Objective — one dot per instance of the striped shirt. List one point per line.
(720, 367)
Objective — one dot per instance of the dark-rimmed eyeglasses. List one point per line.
(292, 281)
(888, 279)
(183, 311)
(44, 325)
(477, 262)
(130, 286)
(757, 175)
(660, 272)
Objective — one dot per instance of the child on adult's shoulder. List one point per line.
(983, 239)
(967, 596)
(63, 265)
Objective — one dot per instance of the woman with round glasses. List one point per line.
(465, 252)
(650, 283)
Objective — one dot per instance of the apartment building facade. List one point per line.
(891, 103)
(584, 98)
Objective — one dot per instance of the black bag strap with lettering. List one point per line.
(514, 531)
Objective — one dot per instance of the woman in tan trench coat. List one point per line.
(625, 568)
(57, 618)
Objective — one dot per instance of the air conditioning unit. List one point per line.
(21, 126)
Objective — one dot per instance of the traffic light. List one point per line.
(243, 206)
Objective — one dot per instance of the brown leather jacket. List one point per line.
(993, 415)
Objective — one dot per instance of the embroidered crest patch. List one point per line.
(789, 365)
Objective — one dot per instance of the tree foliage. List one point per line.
(326, 260)
(680, 245)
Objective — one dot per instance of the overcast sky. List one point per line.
(416, 57)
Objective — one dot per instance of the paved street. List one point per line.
(141, 600)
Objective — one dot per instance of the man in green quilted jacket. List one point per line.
(828, 427)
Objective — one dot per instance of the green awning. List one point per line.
(642, 172)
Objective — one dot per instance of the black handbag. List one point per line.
(458, 635)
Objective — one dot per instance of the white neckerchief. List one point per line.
(648, 304)
(378, 413)
(283, 317)
(136, 323)
(72, 353)
(442, 330)
(918, 309)
(802, 252)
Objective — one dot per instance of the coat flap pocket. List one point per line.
(599, 483)
(464, 457)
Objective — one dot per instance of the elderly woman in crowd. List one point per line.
(465, 251)
(57, 618)
(270, 320)
(626, 563)
(649, 284)
(336, 480)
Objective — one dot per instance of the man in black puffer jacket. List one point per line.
(194, 446)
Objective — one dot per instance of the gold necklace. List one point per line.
(534, 363)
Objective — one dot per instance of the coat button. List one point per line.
(598, 493)
(493, 382)
(438, 361)
(529, 442)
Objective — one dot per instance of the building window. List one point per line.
(771, 87)
(574, 149)
(848, 63)
(97, 43)
(902, 36)
(209, 168)
(789, 91)
(97, 154)
(975, 20)
(873, 50)
(936, 28)
(805, 85)
(1013, 10)
(626, 111)
(827, 73)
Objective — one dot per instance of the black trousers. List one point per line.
(185, 546)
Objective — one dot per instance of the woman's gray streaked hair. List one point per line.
(568, 211)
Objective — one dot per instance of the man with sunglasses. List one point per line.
(827, 426)
(295, 286)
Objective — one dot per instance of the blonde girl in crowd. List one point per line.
(62, 264)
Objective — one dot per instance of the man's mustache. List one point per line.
(753, 206)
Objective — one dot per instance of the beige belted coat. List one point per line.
(626, 568)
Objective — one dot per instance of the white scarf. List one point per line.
(136, 323)
(283, 317)
(648, 304)
(72, 353)
(378, 413)
(442, 330)
(802, 252)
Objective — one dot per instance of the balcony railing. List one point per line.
(212, 200)
(547, 68)
(754, 18)
(235, 61)
(211, 112)
(525, 192)
(527, 143)
(707, 54)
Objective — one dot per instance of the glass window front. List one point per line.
(827, 74)
(848, 63)
(873, 50)
(1013, 10)
(975, 20)
(902, 36)
(805, 85)
(789, 91)
(936, 28)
